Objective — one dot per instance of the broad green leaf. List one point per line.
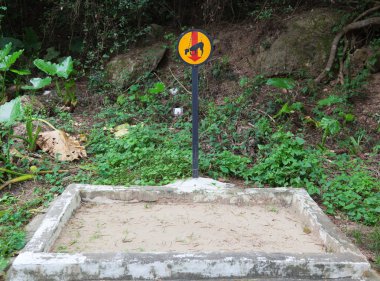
(285, 109)
(330, 100)
(350, 206)
(296, 106)
(9, 60)
(5, 52)
(16, 43)
(300, 141)
(134, 88)
(65, 68)
(282, 83)
(38, 83)
(46, 66)
(10, 111)
(21, 71)
(349, 117)
(158, 88)
(330, 125)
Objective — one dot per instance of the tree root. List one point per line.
(341, 63)
(346, 29)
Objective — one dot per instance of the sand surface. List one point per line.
(158, 227)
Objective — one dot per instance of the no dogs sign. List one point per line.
(194, 47)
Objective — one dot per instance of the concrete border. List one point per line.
(36, 263)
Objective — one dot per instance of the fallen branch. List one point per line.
(179, 82)
(25, 177)
(334, 47)
(266, 114)
(11, 172)
(51, 172)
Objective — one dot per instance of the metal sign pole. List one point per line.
(195, 106)
(195, 47)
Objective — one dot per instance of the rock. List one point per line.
(360, 56)
(126, 68)
(11, 92)
(19, 129)
(304, 45)
(358, 61)
(173, 91)
(363, 58)
(155, 32)
(367, 107)
(32, 102)
(373, 63)
(122, 130)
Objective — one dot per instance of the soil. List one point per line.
(359, 235)
(367, 106)
(190, 227)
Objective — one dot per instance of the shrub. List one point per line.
(286, 162)
(147, 155)
(353, 190)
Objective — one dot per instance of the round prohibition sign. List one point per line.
(194, 47)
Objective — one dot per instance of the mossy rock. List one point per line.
(373, 63)
(303, 46)
(125, 69)
(32, 102)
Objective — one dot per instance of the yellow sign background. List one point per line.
(185, 42)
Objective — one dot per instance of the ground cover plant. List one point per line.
(154, 153)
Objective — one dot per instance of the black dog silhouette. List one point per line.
(195, 48)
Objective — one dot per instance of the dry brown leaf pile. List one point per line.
(59, 144)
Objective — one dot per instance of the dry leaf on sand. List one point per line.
(59, 144)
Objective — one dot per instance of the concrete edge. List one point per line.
(55, 218)
(61, 210)
(328, 231)
(145, 266)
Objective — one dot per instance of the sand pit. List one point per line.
(193, 230)
(185, 227)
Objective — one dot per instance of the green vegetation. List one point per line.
(15, 214)
(148, 155)
(155, 153)
(59, 71)
(7, 60)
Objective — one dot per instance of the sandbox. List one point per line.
(181, 233)
(179, 227)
